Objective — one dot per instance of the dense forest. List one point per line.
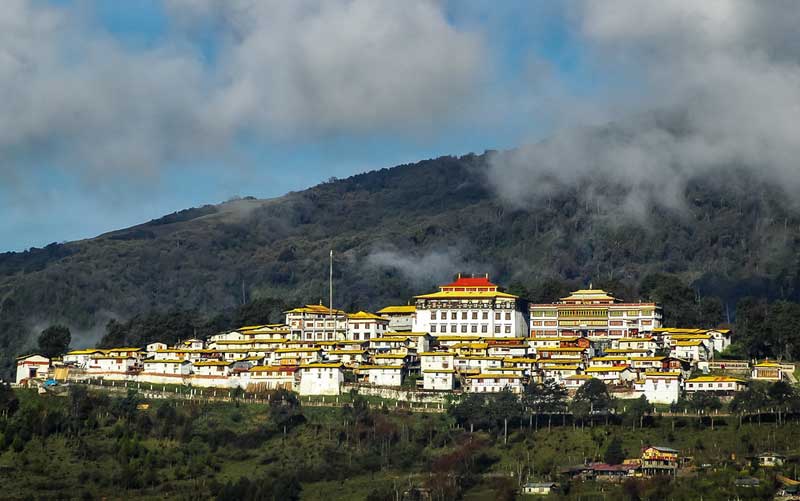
(400, 231)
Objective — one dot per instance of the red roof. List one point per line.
(471, 282)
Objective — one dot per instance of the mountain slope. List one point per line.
(396, 232)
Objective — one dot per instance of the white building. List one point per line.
(438, 379)
(171, 367)
(596, 314)
(576, 381)
(558, 372)
(721, 339)
(514, 350)
(321, 379)
(317, 322)
(476, 365)
(193, 344)
(273, 377)
(660, 387)
(471, 306)
(767, 371)
(719, 385)
(212, 368)
(401, 318)
(348, 356)
(152, 348)
(636, 343)
(611, 375)
(80, 358)
(493, 383)
(32, 367)
(694, 351)
(382, 375)
(111, 364)
(364, 326)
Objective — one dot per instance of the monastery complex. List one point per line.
(469, 336)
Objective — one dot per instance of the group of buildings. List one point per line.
(468, 336)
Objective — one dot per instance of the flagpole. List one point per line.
(330, 292)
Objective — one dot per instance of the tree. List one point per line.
(54, 341)
(614, 453)
(703, 401)
(637, 411)
(781, 394)
(547, 397)
(590, 399)
(8, 400)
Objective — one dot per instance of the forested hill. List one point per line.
(399, 231)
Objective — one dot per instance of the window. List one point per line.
(497, 329)
(463, 315)
(486, 315)
(463, 327)
(508, 316)
(433, 315)
(355, 336)
(433, 327)
(508, 329)
(474, 315)
(453, 328)
(474, 328)
(454, 315)
(497, 315)
(484, 328)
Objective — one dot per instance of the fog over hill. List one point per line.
(400, 231)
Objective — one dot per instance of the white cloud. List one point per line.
(721, 90)
(77, 99)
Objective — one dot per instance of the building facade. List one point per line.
(471, 306)
(596, 314)
(315, 322)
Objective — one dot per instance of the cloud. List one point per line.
(431, 267)
(349, 65)
(720, 89)
(78, 100)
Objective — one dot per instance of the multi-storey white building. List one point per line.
(401, 318)
(471, 306)
(317, 323)
(382, 374)
(321, 379)
(596, 314)
(660, 387)
(364, 326)
(693, 351)
(493, 383)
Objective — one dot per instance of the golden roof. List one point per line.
(714, 379)
(206, 363)
(317, 309)
(616, 368)
(467, 295)
(588, 294)
(363, 315)
(398, 310)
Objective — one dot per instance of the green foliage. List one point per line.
(614, 454)
(487, 411)
(54, 341)
(590, 399)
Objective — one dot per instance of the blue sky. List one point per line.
(152, 106)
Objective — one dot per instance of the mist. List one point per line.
(717, 90)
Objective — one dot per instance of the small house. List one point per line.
(539, 488)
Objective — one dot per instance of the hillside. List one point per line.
(397, 232)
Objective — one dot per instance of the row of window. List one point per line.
(454, 328)
(466, 315)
